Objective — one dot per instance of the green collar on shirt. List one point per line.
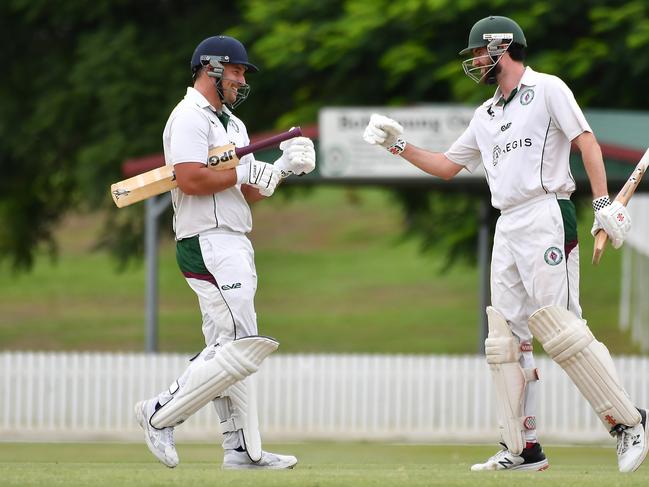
(504, 102)
(224, 118)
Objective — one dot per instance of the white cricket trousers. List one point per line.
(534, 263)
(227, 301)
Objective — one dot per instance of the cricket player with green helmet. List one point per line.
(522, 136)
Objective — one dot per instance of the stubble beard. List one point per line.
(491, 77)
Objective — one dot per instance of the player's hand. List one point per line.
(260, 175)
(613, 218)
(298, 157)
(385, 132)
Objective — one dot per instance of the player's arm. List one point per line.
(257, 179)
(591, 154)
(387, 133)
(613, 217)
(196, 179)
(434, 163)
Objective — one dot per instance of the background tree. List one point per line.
(86, 85)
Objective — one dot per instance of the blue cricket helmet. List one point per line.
(225, 49)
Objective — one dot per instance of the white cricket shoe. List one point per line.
(239, 460)
(633, 444)
(160, 442)
(531, 458)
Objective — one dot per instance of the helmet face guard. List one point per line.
(496, 45)
(215, 70)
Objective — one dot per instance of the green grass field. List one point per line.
(321, 464)
(335, 275)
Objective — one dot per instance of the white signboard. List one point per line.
(344, 153)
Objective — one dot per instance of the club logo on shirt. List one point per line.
(553, 256)
(505, 127)
(496, 155)
(527, 95)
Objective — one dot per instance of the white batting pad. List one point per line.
(568, 340)
(510, 379)
(212, 372)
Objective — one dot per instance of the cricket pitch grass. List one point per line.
(320, 464)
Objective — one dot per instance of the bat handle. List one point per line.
(600, 244)
(270, 142)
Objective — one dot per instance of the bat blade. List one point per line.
(143, 186)
(601, 238)
(163, 179)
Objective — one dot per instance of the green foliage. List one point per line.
(86, 85)
(446, 222)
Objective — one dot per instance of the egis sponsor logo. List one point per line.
(497, 152)
(515, 144)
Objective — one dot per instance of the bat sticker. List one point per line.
(120, 192)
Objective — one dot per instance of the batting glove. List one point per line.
(613, 218)
(260, 175)
(298, 157)
(385, 132)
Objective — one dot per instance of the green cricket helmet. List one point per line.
(496, 34)
(485, 30)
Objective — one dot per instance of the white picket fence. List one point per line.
(409, 398)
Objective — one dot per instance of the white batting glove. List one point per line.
(613, 218)
(385, 132)
(260, 175)
(298, 157)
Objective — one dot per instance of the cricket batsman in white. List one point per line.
(522, 137)
(211, 219)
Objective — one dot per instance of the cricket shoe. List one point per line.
(239, 460)
(531, 458)
(632, 444)
(159, 441)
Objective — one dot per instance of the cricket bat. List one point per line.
(163, 179)
(623, 197)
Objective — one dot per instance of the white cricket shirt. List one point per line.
(191, 130)
(523, 143)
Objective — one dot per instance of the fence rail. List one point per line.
(46, 396)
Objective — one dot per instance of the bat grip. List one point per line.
(600, 244)
(269, 142)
